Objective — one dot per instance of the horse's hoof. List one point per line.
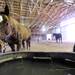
(13, 50)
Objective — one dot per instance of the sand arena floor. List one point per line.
(47, 47)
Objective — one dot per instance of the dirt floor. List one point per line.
(48, 47)
(52, 47)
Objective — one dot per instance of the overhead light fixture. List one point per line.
(43, 29)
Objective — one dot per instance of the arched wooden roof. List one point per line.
(36, 13)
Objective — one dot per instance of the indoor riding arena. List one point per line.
(37, 37)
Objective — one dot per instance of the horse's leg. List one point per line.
(28, 44)
(0, 48)
(56, 39)
(18, 47)
(12, 46)
(23, 43)
(17, 41)
(10, 42)
(61, 39)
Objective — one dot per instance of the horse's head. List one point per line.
(3, 23)
(4, 17)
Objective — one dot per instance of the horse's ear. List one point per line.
(6, 10)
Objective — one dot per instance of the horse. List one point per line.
(58, 37)
(25, 33)
(15, 33)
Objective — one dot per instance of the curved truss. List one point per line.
(37, 13)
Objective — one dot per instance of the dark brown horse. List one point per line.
(58, 37)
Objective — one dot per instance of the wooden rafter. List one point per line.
(56, 16)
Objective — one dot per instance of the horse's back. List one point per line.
(22, 30)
